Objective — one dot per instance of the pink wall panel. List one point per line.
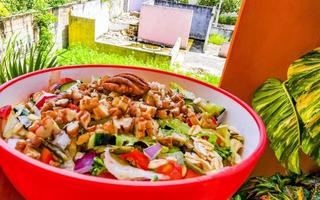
(163, 25)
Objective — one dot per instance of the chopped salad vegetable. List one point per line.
(122, 127)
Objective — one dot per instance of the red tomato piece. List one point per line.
(107, 175)
(46, 156)
(5, 112)
(191, 174)
(171, 169)
(65, 80)
(136, 158)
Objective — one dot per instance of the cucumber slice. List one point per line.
(99, 139)
(211, 108)
(66, 86)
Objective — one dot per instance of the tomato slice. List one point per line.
(107, 175)
(5, 112)
(46, 156)
(191, 174)
(136, 158)
(171, 169)
(65, 80)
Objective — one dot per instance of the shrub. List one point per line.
(208, 2)
(44, 21)
(222, 19)
(183, 1)
(16, 6)
(229, 20)
(3, 10)
(55, 3)
(227, 5)
(18, 58)
(217, 39)
(290, 111)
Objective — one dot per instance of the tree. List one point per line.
(227, 6)
(230, 6)
(208, 2)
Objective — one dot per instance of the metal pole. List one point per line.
(218, 13)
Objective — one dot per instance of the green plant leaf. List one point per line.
(278, 187)
(19, 58)
(303, 73)
(304, 85)
(274, 104)
(310, 146)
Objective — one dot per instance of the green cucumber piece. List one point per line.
(56, 150)
(100, 139)
(66, 86)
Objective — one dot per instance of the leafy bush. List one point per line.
(83, 55)
(290, 111)
(279, 187)
(18, 58)
(208, 2)
(44, 21)
(3, 10)
(183, 1)
(217, 39)
(55, 3)
(15, 6)
(227, 5)
(229, 20)
(43, 18)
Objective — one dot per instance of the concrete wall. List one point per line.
(227, 33)
(82, 31)
(116, 7)
(135, 5)
(98, 11)
(24, 25)
(201, 20)
(164, 25)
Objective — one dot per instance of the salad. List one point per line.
(122, 127)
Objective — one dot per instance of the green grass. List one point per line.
(217, 39)
(78, 54)
(83, 55)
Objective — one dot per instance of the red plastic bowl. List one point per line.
(36, 180)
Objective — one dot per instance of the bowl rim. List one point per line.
(227, 171)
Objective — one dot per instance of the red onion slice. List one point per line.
(152, 151)
(84, 164)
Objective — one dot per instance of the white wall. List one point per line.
(98, 11)
(24, 25)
